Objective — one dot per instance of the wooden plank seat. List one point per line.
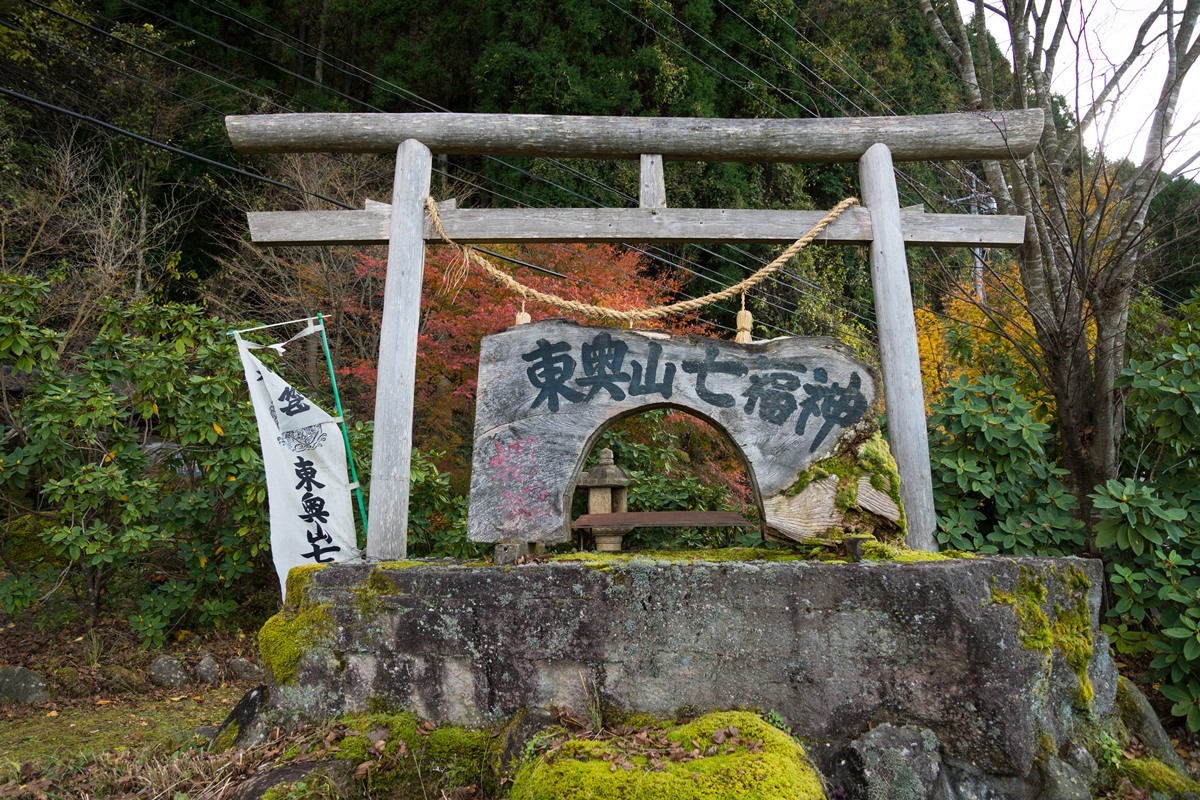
(663, 519)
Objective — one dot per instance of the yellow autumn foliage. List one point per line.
(971, 338)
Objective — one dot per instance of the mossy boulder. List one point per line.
(855, 491)
(729, 755)
(410, 758)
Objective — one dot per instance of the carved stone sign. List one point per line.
(547, 391)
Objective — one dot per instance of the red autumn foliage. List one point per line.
(455, 317)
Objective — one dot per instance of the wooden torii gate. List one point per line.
(874, 142)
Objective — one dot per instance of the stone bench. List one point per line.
(663, 519)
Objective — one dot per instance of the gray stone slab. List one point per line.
(834, 649)
(548, 390)
(168, 672)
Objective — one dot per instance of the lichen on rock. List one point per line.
(1069, 632)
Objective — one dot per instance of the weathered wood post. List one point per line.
(653, 193)
(898, 346)
(392, 450)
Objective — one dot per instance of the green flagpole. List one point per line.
(337, 402)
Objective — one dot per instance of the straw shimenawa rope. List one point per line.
(635, 315)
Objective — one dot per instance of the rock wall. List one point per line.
(994, 666)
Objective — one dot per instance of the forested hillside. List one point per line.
(124, 261)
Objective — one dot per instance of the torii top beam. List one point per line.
(933, 137)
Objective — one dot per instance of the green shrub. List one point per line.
(138, 455)
(996, 487)
(437, 518)
(1149, 522)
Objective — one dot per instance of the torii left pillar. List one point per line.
(396, 380)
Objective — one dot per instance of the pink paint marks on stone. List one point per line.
(524, 498)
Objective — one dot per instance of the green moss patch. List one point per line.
(297, 582)
(408, 564)
(707, 556)
(287, 636)
(882, 551)
(867, 458)
(816, 551)
(1027, 598)
(734, 755)
(414, 759)
(1070, 631)
(128, 723)
(1149, 773)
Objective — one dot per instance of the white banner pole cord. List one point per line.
(308, 491)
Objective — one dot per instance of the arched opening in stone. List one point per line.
(679, 460)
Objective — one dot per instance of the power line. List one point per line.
(378, 82)
(241, 90)
(428, 104)
(163, 146)
(375, 108)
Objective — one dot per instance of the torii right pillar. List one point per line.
(903, 393)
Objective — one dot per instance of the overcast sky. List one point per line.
(1102, 33)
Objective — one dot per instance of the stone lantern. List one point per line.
(607, 494)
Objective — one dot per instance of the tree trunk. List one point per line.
(1085, 227)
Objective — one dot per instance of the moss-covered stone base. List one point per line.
(917, 639)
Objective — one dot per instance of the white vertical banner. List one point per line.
(308, 491)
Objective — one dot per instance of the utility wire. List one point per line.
(501, 161)
(163, 146)
(236, 88)
(554, 162)
(390, 86)
(375, 108)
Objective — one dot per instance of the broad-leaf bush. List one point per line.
(137, 457)
(437, 517)
(998, 488)
(1149, 522)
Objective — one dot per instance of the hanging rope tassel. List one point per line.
(745, 321)
(456, 275)
(522, 317)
